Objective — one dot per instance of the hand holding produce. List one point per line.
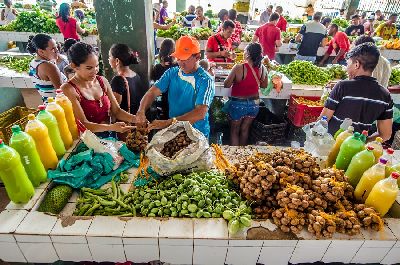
(137, 139)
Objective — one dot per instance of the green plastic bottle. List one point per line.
(51, 123)
(12, 173)
(24, 144)
(350, 147)
(360, 163)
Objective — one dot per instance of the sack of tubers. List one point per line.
(172, 147)
(137, 139)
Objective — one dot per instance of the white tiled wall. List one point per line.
(39, 252)
(111, 253)
(73, 252)
(176, 251)
(392, 257)
(10, 252)
(309, 251)
(342, 251)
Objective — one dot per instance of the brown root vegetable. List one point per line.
(172, 147)
(321, 224)
(289, 220)
(137, 139)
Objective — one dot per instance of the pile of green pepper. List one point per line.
(17, 64)
(197, 195)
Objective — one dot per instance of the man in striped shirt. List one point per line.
(361, 98)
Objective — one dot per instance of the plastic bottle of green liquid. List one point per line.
(343, 127)
(24, 144)
(12, 173)
(51, 123)
(360, 163)
(350, 147)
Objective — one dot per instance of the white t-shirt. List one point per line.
(8, 15)
(200, 24)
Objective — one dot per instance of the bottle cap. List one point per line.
(365, 133)
(357, 134)
(59, 91)
(383, 160)
(50, 100)
(350, 129)
(31, 117)
(379, 139)
(395, 175)
(390, 151)
(370, 148)
(324, 118)
(42, 107)
(1, 142)
(15, 129)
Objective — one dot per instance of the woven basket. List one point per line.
(17, 115)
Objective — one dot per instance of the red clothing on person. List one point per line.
(248, 86)
(282, 23)
(217, 43)
(268, 34)
(96, 111)
(339, 42)
(68, 29)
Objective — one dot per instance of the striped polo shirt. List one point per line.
(361, 99)
(45, 88)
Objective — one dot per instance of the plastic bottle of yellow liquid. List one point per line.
(59, 113)
(343, 127)
(66, 104)
(369, 179)
(348, 149)
(388, 155)
(24, 144)
(359, 164)
(40, 134)
(378, 148)
(12, 173)
(336, 147)
(51, 123)
(384, 194)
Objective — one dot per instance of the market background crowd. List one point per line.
(185, 83)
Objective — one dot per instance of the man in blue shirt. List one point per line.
(190, 89)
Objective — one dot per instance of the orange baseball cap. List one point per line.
(185, 47)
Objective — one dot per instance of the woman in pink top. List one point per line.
(68, 25)
(243, 104)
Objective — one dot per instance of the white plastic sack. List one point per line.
(196, 157)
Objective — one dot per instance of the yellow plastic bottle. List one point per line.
(40, 134)
(59, 113)
(336, 147)
(66, 104)
(369, 179)
(384, 194)
(378, 148)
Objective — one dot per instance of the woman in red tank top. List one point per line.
(92, 99)
(245, 80)
(68, 25)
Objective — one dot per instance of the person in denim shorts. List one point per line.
(245, 80)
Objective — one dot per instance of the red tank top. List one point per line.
(68, 29)
(248, 86)
(96, 111)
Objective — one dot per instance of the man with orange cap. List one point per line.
(190, 89)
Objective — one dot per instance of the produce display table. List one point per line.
(30, 236)
(24, 36)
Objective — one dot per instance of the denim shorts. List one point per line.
(238, 110)
(305, 58)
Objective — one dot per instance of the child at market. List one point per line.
(361, 98)
(93, 101)
(207, 66)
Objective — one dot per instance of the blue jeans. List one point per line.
(238, 110)
(305, 58)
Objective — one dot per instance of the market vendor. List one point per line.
(361, 98)
(201, 21)
(311, 35)
(356, 28)
(340, 43)
(219, 46)
(92, 98)
(245, 80)
(8, 14)
(388, 29)
(43, 70)
(68, 25)
(190, 89)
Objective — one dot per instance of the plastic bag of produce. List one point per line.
(197, 156)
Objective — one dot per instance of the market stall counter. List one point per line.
(27, 235)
